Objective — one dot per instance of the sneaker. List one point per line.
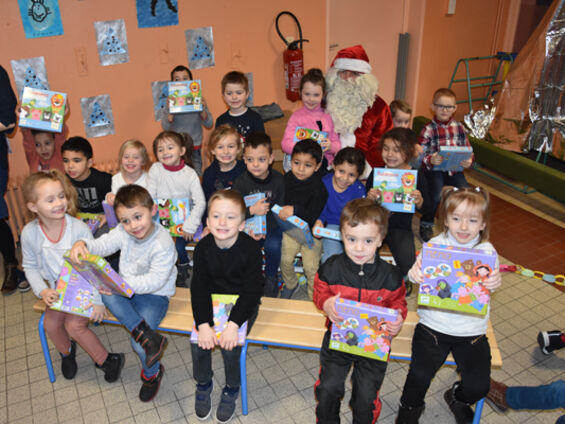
(10, 284)
(112, 366)
(183, 273)
(271, 286)
(24, 287)
(68, 362)
(150, 386)
(426, 232)
(202, 401)
(408, 285)
(496, 396)
(551, 340)
(287, 293)
(462, 411)
(226, 408)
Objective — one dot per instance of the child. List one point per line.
(226, 262)
(342, 186)
(441, 131)
(305, 196)
(190, 122)
(397, 147)
(464, 222)
(171, 178)
(312, 116)
(359, 275)
(235, 90)
(51, 197)
(134, 163)
(43, 149)
(261, 178)
(401, 113)
(147, 263)
(92, 185)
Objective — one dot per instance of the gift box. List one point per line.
(452, 157)
(42, 109)
(396, 187)
(171, 214)
(75, 293)
(295, 227)
(185, 96)
(110, 214)
(257, 223)
(93, 220)
(327, 233)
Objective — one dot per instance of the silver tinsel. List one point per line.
(478, 122)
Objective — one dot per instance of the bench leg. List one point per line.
(478, 411)
(243, 377)
(45, 347)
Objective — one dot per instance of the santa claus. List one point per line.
(360, 116)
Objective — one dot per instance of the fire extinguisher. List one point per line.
(293, 60)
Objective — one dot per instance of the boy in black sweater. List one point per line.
(260, 178)
(227, 261)
(305, 197)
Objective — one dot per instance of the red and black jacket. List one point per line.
(379, 283)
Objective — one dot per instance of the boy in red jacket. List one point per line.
(358, 274)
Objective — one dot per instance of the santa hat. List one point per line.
(352, 59)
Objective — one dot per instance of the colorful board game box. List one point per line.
(362, 331)
(301, 133)
(110, 214)
(452, 156)
(327, 233)
(453, 278)
(222, 305)
(171, 214)
(396, 187)
(295, 227)
(185, 96)
(198, 234)
(42, 109)
(257, 223)
(93, 220)
(75, 293)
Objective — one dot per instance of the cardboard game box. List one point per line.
(295, 227)
(302, 133)
(93, 220)
(396, 186)
(257, 223)
(327, 233)
(75, 293)
(171, 214)
(222, 305)
(185, 96)
(110, 214)
(453, 278)
(42, 109)
(362, 332)
(452, 156)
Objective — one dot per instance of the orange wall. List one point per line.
(244, 39)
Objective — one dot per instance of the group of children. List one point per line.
(321, 187)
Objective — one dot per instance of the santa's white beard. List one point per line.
(348, 100)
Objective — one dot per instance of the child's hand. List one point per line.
(228, 338)
(374, 194)
(394, 327)
(415, 274)
(286, 211)
(102, 219)
(170, 117)
(260, 208)
(205, 232)
(206, 336)
(494, 281)
(329, 309)
(256, 236)
(436, 159)
(418, 149)
(79, 249)
(319, 224)
(110, 197)
(417, 198)
(187, 236)
(325, 144)
(203, 114)
(49, 296)
(98, 313)
(467, 162)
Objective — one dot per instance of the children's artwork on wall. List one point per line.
(97, 115)
(112, 42)
(200, 47)
(160, 92)
(249, 76)
(157, 13)
(41, 18)
(30, 72)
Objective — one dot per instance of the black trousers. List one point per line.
(366, 380)
(429, 351)
(401, 245)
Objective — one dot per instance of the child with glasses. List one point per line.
(441, 131)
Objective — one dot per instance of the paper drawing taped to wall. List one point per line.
(156, 13)
(40, 18)
(160, 92)
(200, 47)
(30, 72)
(112, 42)
(97, 115)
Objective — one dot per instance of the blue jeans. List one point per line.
(131, 312)
(180, 244)
(331, 247)
(436, 181)
(549, 396)
(272, 245)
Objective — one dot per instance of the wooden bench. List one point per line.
(294, 324)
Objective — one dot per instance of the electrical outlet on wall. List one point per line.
(450, 7)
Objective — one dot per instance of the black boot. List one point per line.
(112, 366)
(408, 415)
(69, 364)
(152, 342)
(150, 385)
(183, 275)
(271, 286)
(462, 411)
(10, 284)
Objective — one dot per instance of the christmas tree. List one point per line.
(111, 43)
(97, 117)
(201, 50)
(162, 102)
(32, 80)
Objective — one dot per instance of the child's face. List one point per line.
(465, 223)
(303, 165)
(51, 202)
(227, 149)
(311, 95)
(235, 97)
(169, 153)
(181, 76)
(225, 222)
(44, 145)
(444, 107)
(258, 161)
(132, 160)
(136, 221)
(361, 242)
(401, 119)
(77, 166)
(393, 157)
(345, 174)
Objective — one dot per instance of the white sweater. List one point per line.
(453, 323)
(118, 181)
(163, 184)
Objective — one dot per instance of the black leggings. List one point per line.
(7, 245)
